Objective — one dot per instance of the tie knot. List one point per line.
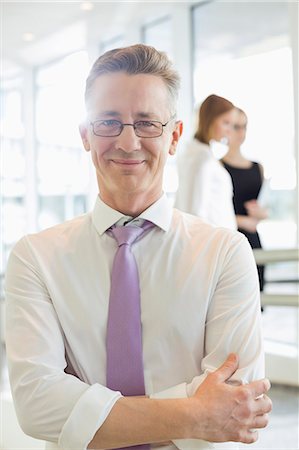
(128, 234)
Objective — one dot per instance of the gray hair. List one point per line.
(136, 59)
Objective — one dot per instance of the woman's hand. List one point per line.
(254, 210)
(247, 223)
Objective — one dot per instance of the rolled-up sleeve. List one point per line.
(50, 404)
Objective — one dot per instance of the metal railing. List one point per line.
(273, 256)
(277, 256)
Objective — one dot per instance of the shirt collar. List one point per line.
(159, 213)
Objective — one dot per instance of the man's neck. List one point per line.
(130, 205)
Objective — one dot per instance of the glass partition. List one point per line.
(159, 35)
(242, 52)
(62, 164)
(13, 167)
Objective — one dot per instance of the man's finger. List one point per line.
(261, 421)
(228, 368)
(262, 405)
(259, 387)
(249, 437)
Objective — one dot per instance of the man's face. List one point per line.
(127, 164)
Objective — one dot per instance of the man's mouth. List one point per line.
(128, 162)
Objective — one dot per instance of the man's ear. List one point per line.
(84, 135)
(176, 134)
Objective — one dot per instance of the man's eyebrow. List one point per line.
(147, 115)
(108, 113)
(139, 115)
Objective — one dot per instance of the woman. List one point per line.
(205, 187)
(247, 178)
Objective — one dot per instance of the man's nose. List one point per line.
(127, 140)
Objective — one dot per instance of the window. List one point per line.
(13, 165)
(242, 52)
(110, 44)
(159, 35)
(62, 164)
(252, 67)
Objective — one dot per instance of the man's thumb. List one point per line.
(228, 368)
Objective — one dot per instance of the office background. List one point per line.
(244, 51)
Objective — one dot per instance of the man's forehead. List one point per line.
(142, 83)
(143, 93)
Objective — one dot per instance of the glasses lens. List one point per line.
(107, 128)
(144, 128)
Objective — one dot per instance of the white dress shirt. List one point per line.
(199, 302)
(205, 187)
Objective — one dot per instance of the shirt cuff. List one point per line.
(197, 444)
(85, 419)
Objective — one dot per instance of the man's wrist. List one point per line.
(188, 420)
(147, 421)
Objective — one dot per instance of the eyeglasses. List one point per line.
(142, 128)
(237, 127)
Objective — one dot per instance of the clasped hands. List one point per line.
(230, 413)
(223, 412)
(255, 213)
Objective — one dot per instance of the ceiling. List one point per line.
(61, 27)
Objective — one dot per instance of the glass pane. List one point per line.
(60, 100)
(13, 168)
(252, 67)
(242, 52)
(62, 169)
(51, 210)
(13, 225)
(54, 209)
(62, 163)
(110, 44)
(11, 114)
(158, 34)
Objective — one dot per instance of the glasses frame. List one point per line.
(123, 125)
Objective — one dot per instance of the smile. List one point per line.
(128, 162)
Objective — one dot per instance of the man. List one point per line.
(69, 344)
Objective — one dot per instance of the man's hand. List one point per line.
(224, 412)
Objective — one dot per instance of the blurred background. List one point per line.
(244, 51)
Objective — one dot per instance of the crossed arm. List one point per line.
(218, 412)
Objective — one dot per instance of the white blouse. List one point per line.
(205, 187)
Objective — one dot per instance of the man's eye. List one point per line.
(145, 124)
(109, 123)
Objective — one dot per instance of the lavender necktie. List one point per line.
(124, 334)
